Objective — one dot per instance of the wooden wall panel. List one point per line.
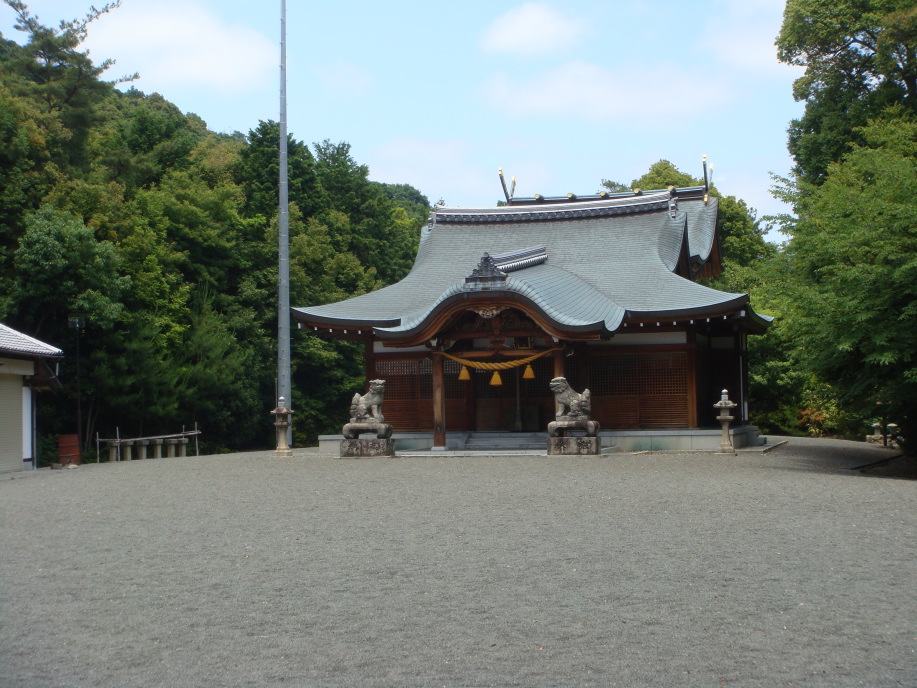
(616, 413)
(640, 389)
(631, 389)
(663, 411)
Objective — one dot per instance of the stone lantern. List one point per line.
(282, 421)
(725, 406)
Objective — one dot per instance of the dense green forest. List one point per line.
(161, 234)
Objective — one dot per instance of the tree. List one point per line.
(27, 139)
(853, 254)
(376, 236)
(55, 72)
(614, 187)
(415, 204)
(663, 174)
(258, 173)
(61, 268)
(860, 57)
(162, 234)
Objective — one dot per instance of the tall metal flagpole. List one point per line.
(284, 388)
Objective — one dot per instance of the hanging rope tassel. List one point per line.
(499, 365)
(496, 380)
(464, 375)
(529, 374)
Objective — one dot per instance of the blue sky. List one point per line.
(440, 95)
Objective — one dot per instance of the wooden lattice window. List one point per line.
(664, 373)
(405, 379)
(454, 388)
(633, 374)
(615, 375)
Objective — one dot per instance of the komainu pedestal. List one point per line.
(573, 411)
(574, 446)
(367, 449)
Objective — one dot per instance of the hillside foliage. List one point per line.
(162, 235)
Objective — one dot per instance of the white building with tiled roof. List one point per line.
(27, 365)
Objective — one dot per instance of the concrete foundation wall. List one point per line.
(625, 440)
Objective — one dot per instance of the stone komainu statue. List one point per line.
(571, 405)
(367, 408)
(573, 410)
(366, 413)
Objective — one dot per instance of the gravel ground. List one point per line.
(765, 569)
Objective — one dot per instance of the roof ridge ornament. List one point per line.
(484, 276)
(520, 259)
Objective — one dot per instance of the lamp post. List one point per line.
(283, 415)
(725, 406)
(78, 322)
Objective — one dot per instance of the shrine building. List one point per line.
(601, 290)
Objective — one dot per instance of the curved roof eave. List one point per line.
(701, 227)
(303, 315)
(700, 311)
(739, 306)
(599, 313)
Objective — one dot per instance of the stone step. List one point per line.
(505, 440)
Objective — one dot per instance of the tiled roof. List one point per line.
(13, 342)
(541, 213)
(605, 261)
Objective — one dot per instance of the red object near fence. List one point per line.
(68, 449)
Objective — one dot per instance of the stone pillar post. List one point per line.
(128, 452)
(170, 447)
(157, 448)
(141, 449)
(112, 451)
(183, 446)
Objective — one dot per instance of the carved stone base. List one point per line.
(367, 449)
(574, 446)
(352, 431)
(560, 426)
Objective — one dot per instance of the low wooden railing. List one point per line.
(122, 448)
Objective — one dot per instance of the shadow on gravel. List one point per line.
(900, 467)
(841, 456)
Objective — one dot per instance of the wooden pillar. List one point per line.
(558, 370)
(439, 404)
(692, 376)
(692, 387)
(584, 363)
(559, 361)
(743, 378)
(369, 357)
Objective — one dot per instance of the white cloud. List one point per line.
(344, 79)
(461, 171)
(649, 95)
(742, 34)
(440, 168)
(183, 45)
(530, 29)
